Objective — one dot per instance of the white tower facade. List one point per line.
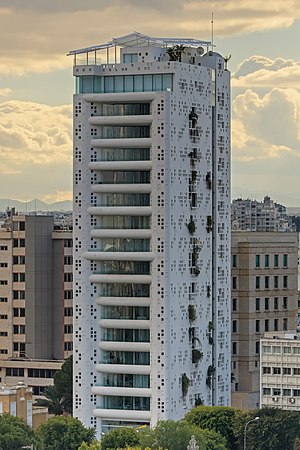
(151, 231)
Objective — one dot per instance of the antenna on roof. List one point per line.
(212, 31)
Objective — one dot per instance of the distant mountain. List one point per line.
(293, 210)
(35, 205)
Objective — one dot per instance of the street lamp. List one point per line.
(245, 431)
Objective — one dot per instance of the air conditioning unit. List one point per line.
(275, 399)
(292, 400)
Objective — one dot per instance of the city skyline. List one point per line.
(35, 93)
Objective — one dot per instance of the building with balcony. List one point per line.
(280, 371)
(151, 230)
(264, 299)
(36, 299)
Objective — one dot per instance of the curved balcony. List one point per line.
(140, 188)
(120, 210)
(120, 97)
(117, 278)
(129, 324)
(121, 391)
(122, 142)
(144, 119)
(121, 233)
(120, 165)
(118, 256)
(124, 346)
(123, 301)
(121, 414)
(124, 369)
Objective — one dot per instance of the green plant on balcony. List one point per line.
(210, 339)
(232, 377)
(196, 356)
(191, 333)
(210, 371)
(209, 224)
(208, 180)
(192, 313)
(210, 326)
(175, 52)
(193, 117)
(194, 176)
(198, 401)
(192, 158)
(196, 271)
(208, 290)
(191, 226)
(185, 382)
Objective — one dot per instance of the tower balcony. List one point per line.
(121, 233)
(121, 120)
(120, 97)
(124, 369)
(118, 278)
(140, 188)
(122, 142)
(120, 210)
(124, 346)
(129, 324)
(123, 301)
(121, 391)
(121, 414)
(118, 256)
(120, 165)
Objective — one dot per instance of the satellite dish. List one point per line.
(200, 50)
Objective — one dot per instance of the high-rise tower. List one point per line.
(152, 230)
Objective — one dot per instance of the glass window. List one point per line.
(267, 282)
(287, 350)
(276, 282)
(285, 324)
(276, 370)
(296, 392)
(296, 371)
(138, 83)
(234, 304)
(257, 347)
(296, 350)
(266, 304)
(266, 391)
(287, 371)
(287, 392)
(285, 260)
(284, 302)
(257, 261)
(257, 304)
(276, 349)
(275, 260)
(147, 83)
(234, 260)
(267, 325)
(109, 84)
(275, 324)
(257, 282)
(234, 348)
(266, 349)
(157, 82)
(234, 326)
(257, 326)
(266, 370)
(167, 81)
(128, 83)
(267, 261)
(119, 86)
(276, 391)
(285, 282)
(275, 303)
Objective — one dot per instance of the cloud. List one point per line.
(5, 92)
(259, 71)
(58, 196)
(266, 127)
(33, 134)
(46, 31)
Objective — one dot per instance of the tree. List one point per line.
(95, 445)
(63, 381)
(276, 429)
(14, 433)
(59, 398)
(53, 401)
(120, 438)
(172, 435)
(215, 418)
(64, 433)
(297, 444)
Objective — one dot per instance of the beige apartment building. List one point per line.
(18, 401)
(264, 299)
(36, 299)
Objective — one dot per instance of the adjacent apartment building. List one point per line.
(280, 371)
(151, 230)
(264, 299)
(36, 300)
(251, 215)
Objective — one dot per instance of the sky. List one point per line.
(36, 85)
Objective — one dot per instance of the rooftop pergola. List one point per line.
(141, 40)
